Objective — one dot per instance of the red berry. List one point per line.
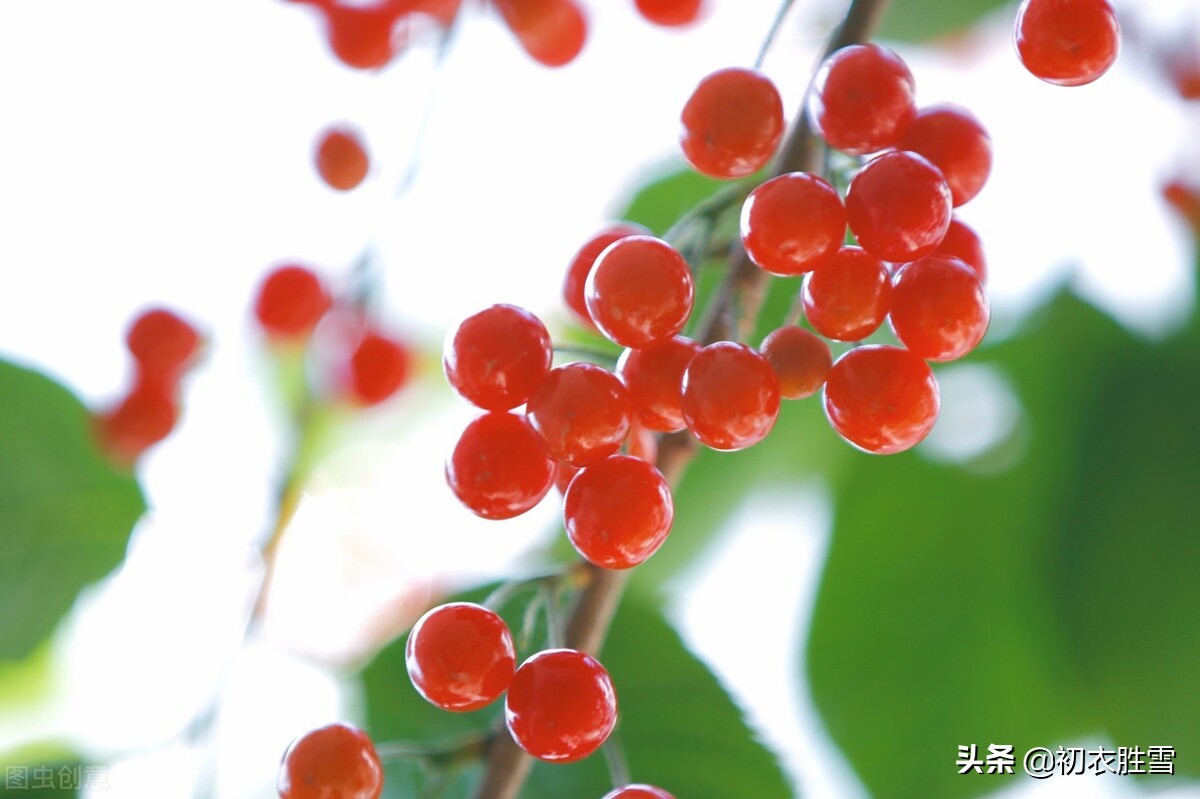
(670, 13)
(963, 243)
(899, 207)
(581, 413)
(863, 99)
(498, 468)
(1067, 42)
(162, 343)
(848, 299)
(881, 399)
(561, 705)
(552, 32)
(618, 512)
(793, 224)
(801, 360)
(638, 791)
(144, 417)
(290, 302)
(953, 140)
(730, 396)
(341, 158)
(639, 291)
(498, 357)
(642, 443)
(378, 368)
(654, 376)
(732, 123)
(939, 308)
(460, 656)
(334, 762)
(365, 36)
(581, 265)
(563, 475)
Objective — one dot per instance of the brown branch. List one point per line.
(745, 283)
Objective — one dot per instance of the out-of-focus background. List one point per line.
(1027, 576)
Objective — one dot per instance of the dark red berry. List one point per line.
(863, 99)
(460, 656)
(939, 308)
(732, 123)
(881, 399)
(561, 706)
(618, 512)
(498, 468)
(581, 413)
(498, 357)
(334, 762)
(848, 299)
(1067, 42)
(341, 158)
(654, 377)
(801, 360)
(639, 291)
(899, 207)
(730, 396)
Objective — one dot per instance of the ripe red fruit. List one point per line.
(732, 123)
(581, 265)
(334, 762)
(341, 158)
(881, 399)
(848, 299)
(654, 377)
(498, 468)
(963, 243)
(730, 396)
(581, 413)
(379, 366)
(162, 343)
(552, 32)
(801, 360)
(144, 416)
(291, 300)
(639, 291)
(953, 140)
(365, 36)
(561, 705)
(1067, 42)
(563, 475)
(498, 357)
(670, 13)
(939, 308)
(899, 207)
(863, 99)
(618, 512)
(460, 656)
(638, 791)
(793, 224)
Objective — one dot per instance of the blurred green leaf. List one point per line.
(65, 512)
(678, 726)
(659, 203)
(923, 20)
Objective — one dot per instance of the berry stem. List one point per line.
(773, 33)
(588, 624)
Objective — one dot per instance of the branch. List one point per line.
(508, 765)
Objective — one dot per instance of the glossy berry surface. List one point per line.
(863, 99)
(290, 301)
(145, 416)
(732, 123)
(642, 443)
(1067, 42)
(552, 32)
(963, 243)
(881, 399)
(939, 308)
(639, 291)
(379, 366)
(951, 138)
(638, 791)
(581, 413)
(730, 396)
(460, 656)
(899, 207)
(800, 358)
(581, 265)
(793, 224)
(341, 159)
(162, 343)
(498, 468)
(670, 13)
(848, 299)
(618, 512)
(334, 762)
(654, 377)
(561, 706)
(498, 357)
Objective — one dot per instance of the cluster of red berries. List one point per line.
(163, 346)
(371, 364)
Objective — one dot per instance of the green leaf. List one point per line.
(659, 203)
(923, 20)
(678, 726)
(65, 512)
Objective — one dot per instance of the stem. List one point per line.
(773, 33)
(587, 627)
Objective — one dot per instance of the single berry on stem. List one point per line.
(862, 99)
(730, 396)
(639, 291)
(145, 416)
(899, 206)
(801, 360)
(341, 158)
(654, 377)
(460, 656)
(498, 357)
(162, 343)
(333, 762)
(881, 399)
(561, 706)
(379, 366)
(793, 224)
(732, 123)
(1067, 42)
(581, 413)
(618, 512)
(291, 300)
(939, 308)
(951, 138)
(498, 468)
(848, 299)
(583, 260)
